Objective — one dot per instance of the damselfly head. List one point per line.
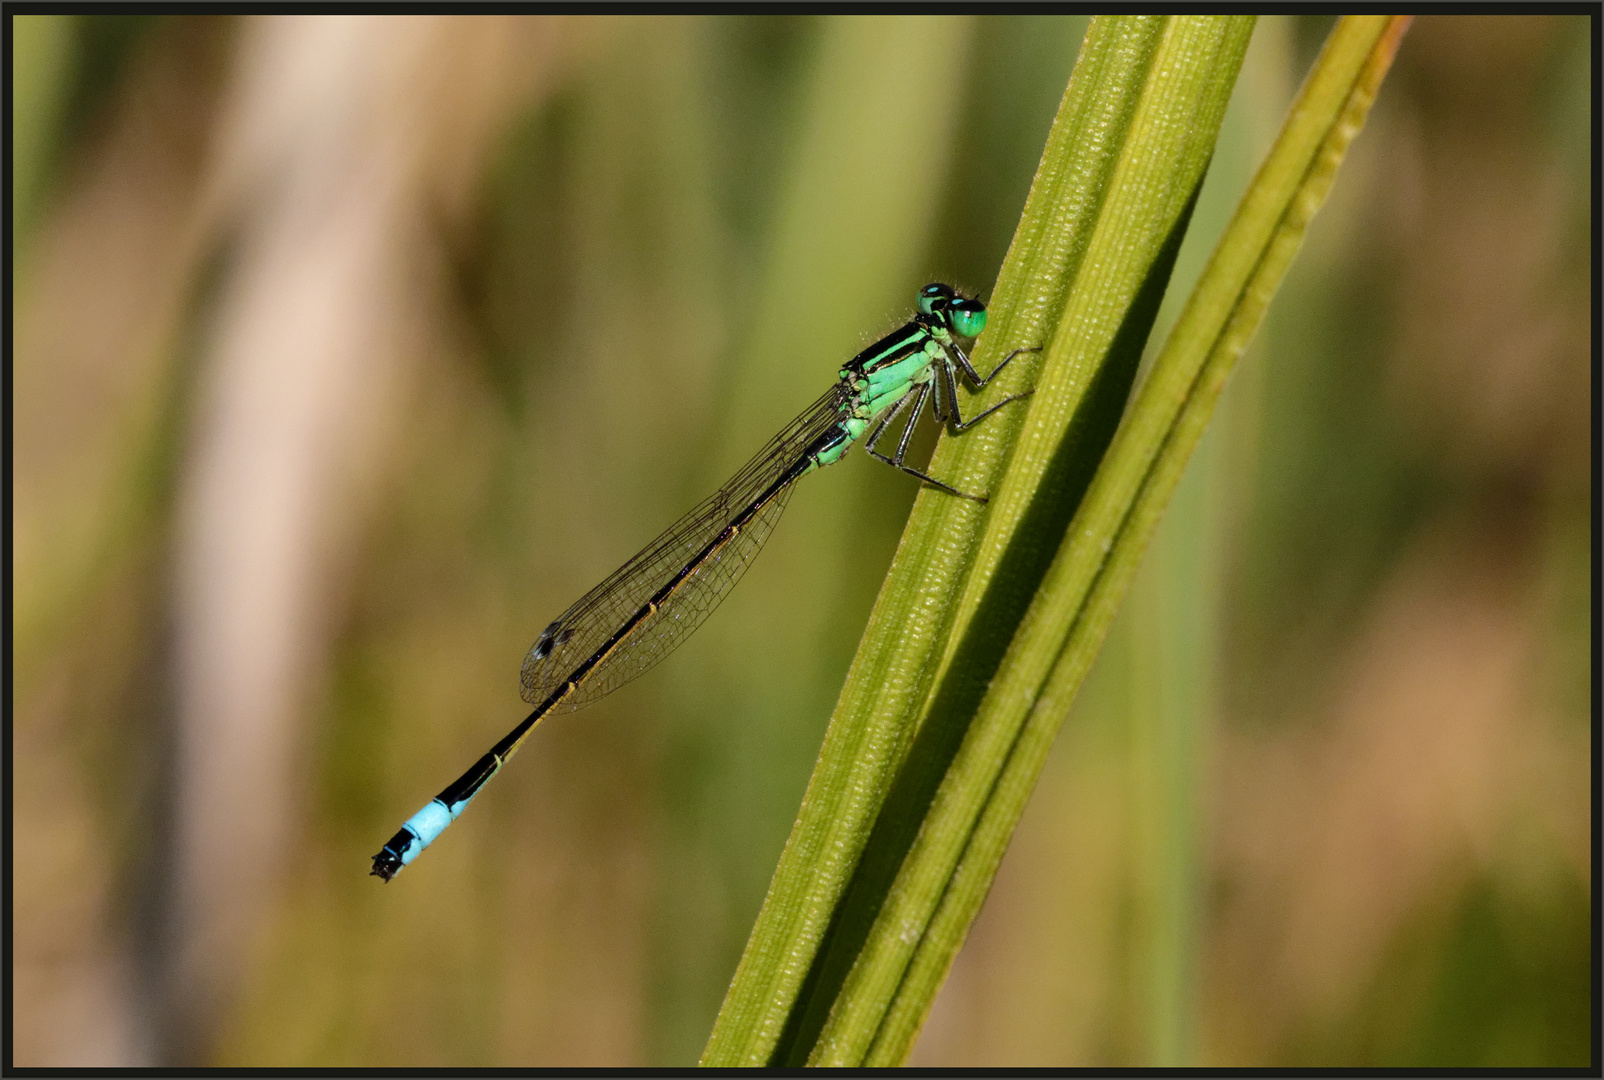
(962, 316)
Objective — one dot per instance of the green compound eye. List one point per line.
(934, 297)
(967, 318)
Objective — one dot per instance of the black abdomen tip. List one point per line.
(386, 864)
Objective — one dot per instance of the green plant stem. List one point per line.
(1008, 741)
(1092, 360)
(1090, 260)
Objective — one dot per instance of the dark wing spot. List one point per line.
(548, 638)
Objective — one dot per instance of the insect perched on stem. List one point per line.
(648, 606)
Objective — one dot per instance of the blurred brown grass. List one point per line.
(349, 350)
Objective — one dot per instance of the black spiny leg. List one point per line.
(918, 398)
(958, 422)
(880, 425)
(974, 376)
(937, 410)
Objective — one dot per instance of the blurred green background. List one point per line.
(349, 351)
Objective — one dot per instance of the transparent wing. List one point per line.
(595, 617)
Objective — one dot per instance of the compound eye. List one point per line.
(934, 297)
(967, 318)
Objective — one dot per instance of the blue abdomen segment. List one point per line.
(423, 827)
(418, 833)
(427, 824)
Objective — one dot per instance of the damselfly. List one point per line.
(646, 607)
